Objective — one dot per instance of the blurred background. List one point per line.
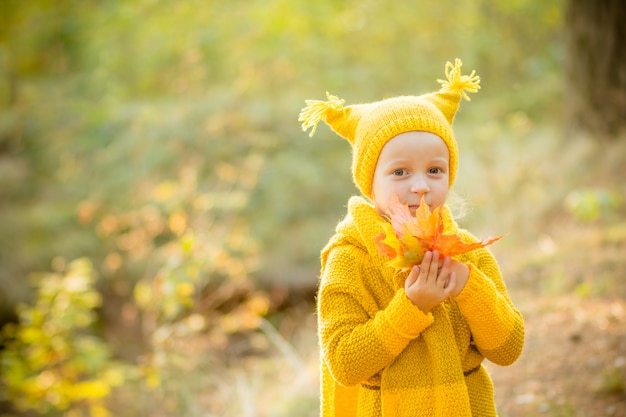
(162, 212)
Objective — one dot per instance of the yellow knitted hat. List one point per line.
(368, 127)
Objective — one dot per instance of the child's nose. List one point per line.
(419, 185)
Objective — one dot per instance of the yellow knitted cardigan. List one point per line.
(382, 356)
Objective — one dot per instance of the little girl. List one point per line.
(412, 343)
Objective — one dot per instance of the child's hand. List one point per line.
(428, 285)
(461, 272)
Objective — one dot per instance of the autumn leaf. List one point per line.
(386, 244)
(450, 245)
(405, 238)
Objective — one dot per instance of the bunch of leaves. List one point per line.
(53, 363)
(406, 238)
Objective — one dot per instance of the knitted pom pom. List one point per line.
(317, 110)
(457, 83)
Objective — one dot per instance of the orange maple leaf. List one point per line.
(405, 238)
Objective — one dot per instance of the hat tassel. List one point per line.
(317, 110)
(457, 83)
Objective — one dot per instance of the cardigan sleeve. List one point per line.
(497, 326)
(358, 339)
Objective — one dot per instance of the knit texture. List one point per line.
(368, 127)
(382, 356)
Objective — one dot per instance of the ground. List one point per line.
(574, 360)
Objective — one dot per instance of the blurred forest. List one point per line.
(162, 212)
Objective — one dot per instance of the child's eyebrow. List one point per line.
(405, 159)
(397, 161)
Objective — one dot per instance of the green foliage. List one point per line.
(590, 204)
(159, 139)
(52, 359)
(130, 92)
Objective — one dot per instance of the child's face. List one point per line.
(410, 165)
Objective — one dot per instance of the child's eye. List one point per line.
(398, 172)
(434, 170)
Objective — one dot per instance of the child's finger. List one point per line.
(433, 268)
(413, 275)
(444, 273)
(424, 267)
(449, 289)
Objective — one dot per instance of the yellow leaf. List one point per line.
(98, 411)
(177, 222)
(387, 241)
(185, 289)
(143, 294)
(90, 390)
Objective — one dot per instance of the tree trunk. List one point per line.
(596, 66)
